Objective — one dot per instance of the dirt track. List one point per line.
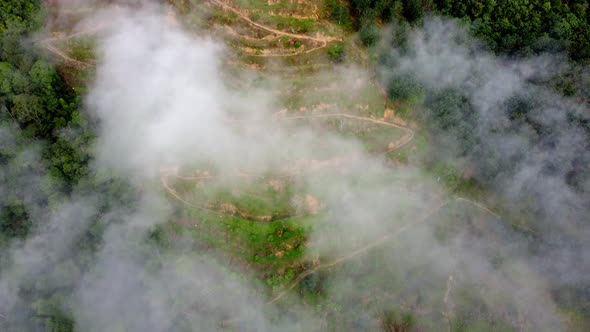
(407, 138)
(48, 44)
(165, 174)
(374, 244)
(353, 254)
(324, 40)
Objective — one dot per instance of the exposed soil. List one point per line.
(319, 38)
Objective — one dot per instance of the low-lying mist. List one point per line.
(408, 246)
(503, 118)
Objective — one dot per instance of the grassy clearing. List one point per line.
(79, 75)
(305, 93)
(81, 49)
(272, 243)
(273, 248)
(284, 8)
(258, 198)
(275, 243)
(290, 24)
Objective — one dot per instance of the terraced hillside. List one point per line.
(283, 225)
(264, 220)
(289, 47)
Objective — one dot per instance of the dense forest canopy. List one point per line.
(516, 27)
(44, 152)
(524, 27)
(35, 98)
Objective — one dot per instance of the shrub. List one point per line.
(338, 12)
(404, 87)
(336, 52)
(369, 34)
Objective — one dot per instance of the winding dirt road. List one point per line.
(407, 138)
(374, 244)
(166, 173)
(323, 40)
(359, 251)
(243, 16)
(48, 44)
